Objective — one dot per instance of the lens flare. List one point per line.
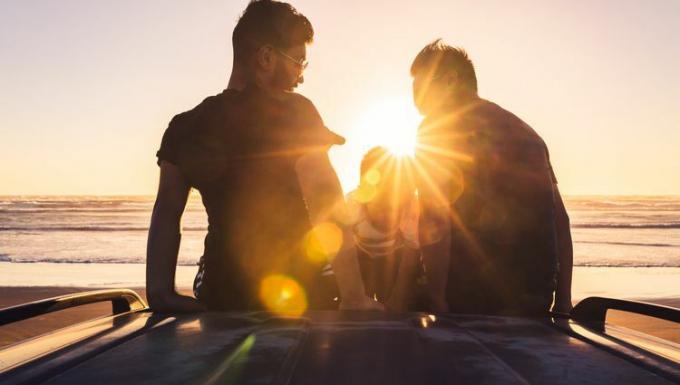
(323, 242)
(372, 176)
(283, 295)
(365, 193)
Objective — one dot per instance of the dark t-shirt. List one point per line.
(239, 149)
(503, 245)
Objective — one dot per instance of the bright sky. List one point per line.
(87, 87)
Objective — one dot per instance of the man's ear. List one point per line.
(265, 57)
(451, 78)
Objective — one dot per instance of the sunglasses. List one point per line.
(302, 63)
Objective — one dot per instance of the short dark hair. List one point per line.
(437, 57)
(269, 22)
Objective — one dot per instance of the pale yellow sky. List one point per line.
(88, 87)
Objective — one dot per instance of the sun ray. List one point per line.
(452, 154)
(444, 203)
(429, 78)
(396, 190)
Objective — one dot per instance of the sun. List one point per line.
(392, 123)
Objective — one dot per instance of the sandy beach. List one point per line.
(12, 333)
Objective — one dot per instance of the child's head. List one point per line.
(389, 175)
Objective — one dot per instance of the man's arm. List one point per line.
(435, 180)
(565, 255)
(163, 243)
(435, 239)
(325, 201)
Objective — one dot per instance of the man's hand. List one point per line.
(364, 303)
(174, 303)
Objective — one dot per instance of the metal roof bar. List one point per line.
(594, 310)
(122, 301)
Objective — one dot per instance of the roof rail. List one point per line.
(594, 310)
(122, 301)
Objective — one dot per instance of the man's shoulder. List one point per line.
(210, 105)
(504, 124)
(300, 101)
(213, 102)
(491, 113)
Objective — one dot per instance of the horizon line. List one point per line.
(196, 194)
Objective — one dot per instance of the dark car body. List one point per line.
(137, 346)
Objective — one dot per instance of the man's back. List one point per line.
(239, 150)
(503, 251)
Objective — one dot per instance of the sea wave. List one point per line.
(126, 261)
(72, 210)
(89, 228)
(659, 203)
(84, 205)
(85, 210)
(671, 225)
(628, 243)
(627, 264)
(187, 262)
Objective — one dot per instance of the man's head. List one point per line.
(270, 42)
(442, 75)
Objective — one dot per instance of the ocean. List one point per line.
(61, 235)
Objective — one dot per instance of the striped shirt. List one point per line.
(377, 243)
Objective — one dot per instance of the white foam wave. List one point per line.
(88, 228)
(7, 258)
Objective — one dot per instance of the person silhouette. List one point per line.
(493, 226)
(257, 153)
(384, 217)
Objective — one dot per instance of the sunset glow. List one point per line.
(485, 159)
(391, 123)
(588, 97)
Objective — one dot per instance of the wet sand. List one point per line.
(12, 333)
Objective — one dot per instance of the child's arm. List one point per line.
(323, 195)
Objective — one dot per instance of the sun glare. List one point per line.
(391, 123)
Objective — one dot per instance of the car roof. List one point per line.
(319, 347)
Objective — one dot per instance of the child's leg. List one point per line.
(403, 290)
(367, 273)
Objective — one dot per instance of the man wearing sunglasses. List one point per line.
(257, 153)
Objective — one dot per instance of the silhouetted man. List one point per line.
(493, 227)
(257, 152)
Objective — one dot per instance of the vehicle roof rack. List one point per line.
(122, 301)
(594, 310)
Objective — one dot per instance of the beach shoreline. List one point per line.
(616, 282)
